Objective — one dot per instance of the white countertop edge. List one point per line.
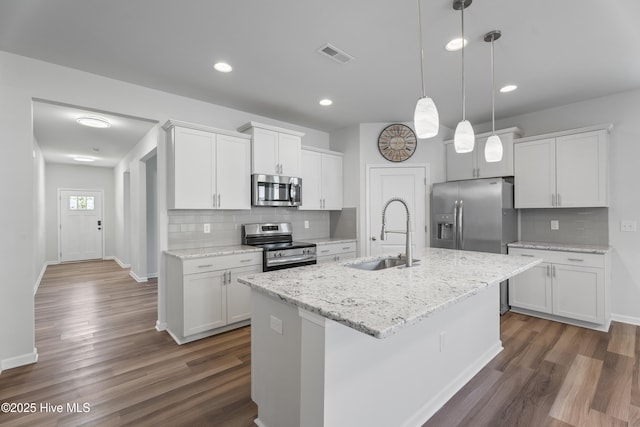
(563, 247)
(329, 240)
(211, 251)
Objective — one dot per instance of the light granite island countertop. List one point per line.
(337, 346)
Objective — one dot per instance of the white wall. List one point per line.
(152, 216)
(23, 79)
(39, 217)
(623, 111)
(63, 176)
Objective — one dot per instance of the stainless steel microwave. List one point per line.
(275, 190)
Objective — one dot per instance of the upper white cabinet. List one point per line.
(473, 165)
(321, 175)
(208, 168)
(564, 170)
(274, 150)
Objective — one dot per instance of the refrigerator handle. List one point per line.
(455, 225)
(461, 236)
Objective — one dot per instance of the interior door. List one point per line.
(408, 183)
(80, 225)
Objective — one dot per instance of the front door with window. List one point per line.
(80, 225)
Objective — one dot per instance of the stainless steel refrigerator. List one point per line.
(474, 215)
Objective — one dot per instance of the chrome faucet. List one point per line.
(408, 232)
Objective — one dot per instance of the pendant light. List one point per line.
(493, 147)
(425, 119)
(464, 138)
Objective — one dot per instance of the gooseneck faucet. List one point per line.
(408, 232)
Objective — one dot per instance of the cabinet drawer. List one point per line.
(213, 263)
(337, 248)
(561, 257)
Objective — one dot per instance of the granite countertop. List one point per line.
(329, 240)
(566, 247)
(212, 251)
(380, 303)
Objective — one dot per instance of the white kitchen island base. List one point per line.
(310, 371)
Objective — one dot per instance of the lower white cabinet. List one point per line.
(340, 251)
(570, 287)
(205, 297)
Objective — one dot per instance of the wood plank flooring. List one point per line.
(97, 344)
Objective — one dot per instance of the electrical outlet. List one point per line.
(275, 324)
(207, 228)
(555, 224)
(628, 226)
(306, 224)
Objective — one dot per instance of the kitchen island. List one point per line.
(333, 345)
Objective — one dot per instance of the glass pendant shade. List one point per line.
(493, 149)
(426, 120)
(464, 138)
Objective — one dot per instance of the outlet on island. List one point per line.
(555, 224)
(275, 324)
(306, 223)
(207, 228)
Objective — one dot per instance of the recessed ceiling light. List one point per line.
(508, 88)
(84, 159)
(94, 121)
(455, 44)
(223, 67)
(326, 102)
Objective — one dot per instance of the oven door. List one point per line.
(279, 259)
(275, 190)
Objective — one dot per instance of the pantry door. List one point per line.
(81, 225)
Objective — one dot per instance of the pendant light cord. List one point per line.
(424, 93)
(463, 85)
(493, 90)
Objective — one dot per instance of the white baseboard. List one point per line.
(259, 422)
(137, 278)
(152, 276)
(632, 320)
(23, 359)
(161, 326)
(120, 263)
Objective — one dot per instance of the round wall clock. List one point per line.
(397, 142)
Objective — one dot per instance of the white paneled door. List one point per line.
(81, 225)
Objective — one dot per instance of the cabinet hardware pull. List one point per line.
(527, 255)
(346, 247)
(205, 266)
(548, 269)
(553, 199)
(575, 259)
(554, 270)
(324, 251)
(214, 200)
(559, 202)
(245, 260)
(219, 203)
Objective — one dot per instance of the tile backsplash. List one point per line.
(588, 226)
(186, 227)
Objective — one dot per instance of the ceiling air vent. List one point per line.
(334, 53)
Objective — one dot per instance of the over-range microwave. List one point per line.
(275, 190)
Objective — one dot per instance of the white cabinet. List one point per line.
(339, 251)
(321, 180)
(208, 168)
(565, 170)
(571, 287)
(205, 297)
(274, 150)
(473, 165)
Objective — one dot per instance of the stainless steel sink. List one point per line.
(380, 264)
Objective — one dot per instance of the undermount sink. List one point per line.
(380, 264)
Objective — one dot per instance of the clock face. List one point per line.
(397, 142)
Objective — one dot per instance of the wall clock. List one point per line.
(397, 142)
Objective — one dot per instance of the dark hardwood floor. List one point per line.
(97, 345)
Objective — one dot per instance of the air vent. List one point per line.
(334, 53)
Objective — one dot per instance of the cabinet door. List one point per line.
(535, 173)
(331, 182)
(578, 293)
(289, 147)
(311, 174)
(495, 169)
(459, 165)
(239, 295)
(581, 162)
(205, 302)
(264, 151)
(233, 177)
(532, 289)
(193, 176)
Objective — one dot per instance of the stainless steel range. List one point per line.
(279, 249)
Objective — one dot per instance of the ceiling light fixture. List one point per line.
(325, 102)
(508, 88)
(493, 147)
(94, 122)
(84, 159)
(464, 138)
(425, 118)
(223, 67)
(455, 45)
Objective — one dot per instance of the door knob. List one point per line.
(373, 238)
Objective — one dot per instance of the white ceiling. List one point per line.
(556, 51)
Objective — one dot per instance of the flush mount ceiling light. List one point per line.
(325, 102)
(84, 159)
(425, 118)
(223, 67)
(508, 88)
(493, 147)
(94, 122)
(464, 138)
(455, 45)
